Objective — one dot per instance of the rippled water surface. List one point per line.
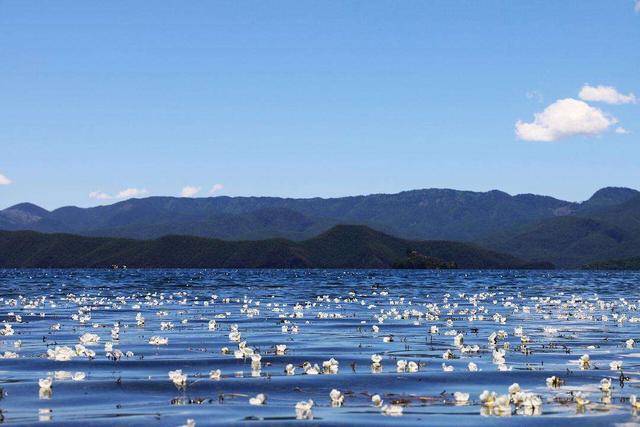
(318, 315)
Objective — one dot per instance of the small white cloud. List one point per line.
(621, 130)
(131, 192)
(565, 118)
(189, 191)
(4, 180)
(127, 193)
(607, 94)
(99, 195)
(216, 188)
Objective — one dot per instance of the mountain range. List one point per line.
(340, 247)
(526, 226)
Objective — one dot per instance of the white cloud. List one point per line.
(607, 94)
(127, 193)
(565, 118)
(4, 180)
(131, 192)
(637, 7)
(621, 130)
(216, 188)
(99, 195)
(189, 191)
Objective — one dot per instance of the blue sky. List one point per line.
(315, 98)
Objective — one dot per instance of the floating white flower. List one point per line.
(605, 385)
(290, 369)
(61, 354)
(616, 365)
(45, 383)
(260, 399)
(303, 410)
(281, 349)
(472, 367)
(580, 398)
(376, 400)
(458, 340)
(630, 343)
(179, 379)
(514, 388)
(635, 403)
(89, 339)
(460, 397)
(584, 361)
(392, 410)
(337, 398)
(215, 374)
(158, 340)
(554, 381)
(447, 368)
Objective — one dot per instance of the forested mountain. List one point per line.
(529, 227)
(339, 247)
(418, 214)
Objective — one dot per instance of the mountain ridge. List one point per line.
(345, 246)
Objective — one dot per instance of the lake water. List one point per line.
(318, 315)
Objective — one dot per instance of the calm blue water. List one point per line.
(327, 314)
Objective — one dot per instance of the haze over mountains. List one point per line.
(528, 227)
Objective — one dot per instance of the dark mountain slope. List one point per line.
(605, 233)
(419, 214)
(340, 247)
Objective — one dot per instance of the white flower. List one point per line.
(488, 397)
(580, 398)
(376, 400)
(514, 388)
(554, 381)
(79, 376)
(290, 369)
(376, 359)
(190, 423)
(89, 339)
(281, 348)
(212, 325)
(448, 354)
(215, 375)
(634, 401)
(605, 384)
(502, 405)
(460, 397)
(630, 343)
(303, 410)
(158, 340)
(260, 399)
(7, 331)
(392, 410)
(337, 398)
(178, 378)
(458, 340)
(45, 383)
(447, 368)
(472, 367)
(433, 329)
(61, 354)
(584, 361)
(616, 365)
